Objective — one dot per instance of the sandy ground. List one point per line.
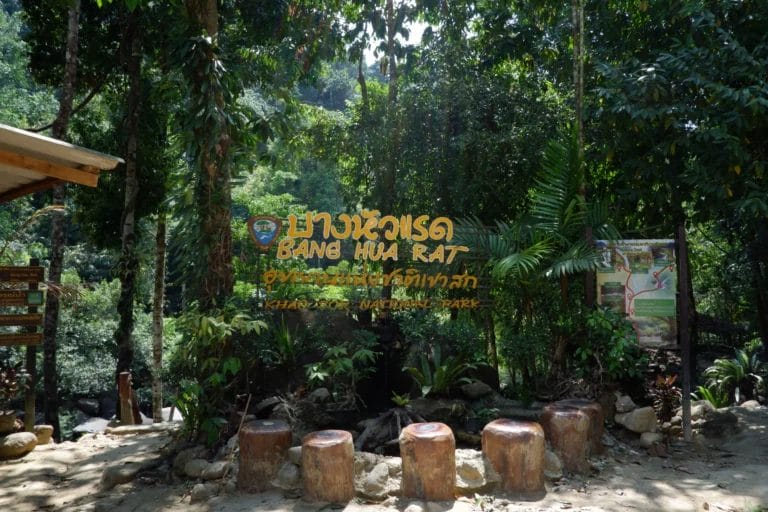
(716, 475)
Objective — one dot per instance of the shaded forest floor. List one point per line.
(714, 475)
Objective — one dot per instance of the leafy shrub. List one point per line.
(666, 396)
(714, 396)
(208, 365)
(610, 348)
(343, 366)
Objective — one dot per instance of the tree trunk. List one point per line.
(157, 321)
(214, 198)
(128, 261)
(58, 231)
(387, 191)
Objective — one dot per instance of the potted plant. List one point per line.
(11, 381)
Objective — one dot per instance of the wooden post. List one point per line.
(328, 466)
(263, 448)
(567, 429)
(596, 421)
(516, 451)
(685, 335)
(429, 461)
(31, 366)
(124, 393)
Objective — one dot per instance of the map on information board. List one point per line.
(639, 279)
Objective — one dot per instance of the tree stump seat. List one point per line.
(428, 451)
(516, 451)
(263, 448)
(596, 421)
(327, 466)
(568, 429)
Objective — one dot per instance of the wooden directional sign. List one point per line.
(34, 338)
(28, 320)
(21, 274)
(21, 298)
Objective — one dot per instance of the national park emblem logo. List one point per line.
(264, 229)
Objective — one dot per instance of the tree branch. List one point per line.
(78, 108)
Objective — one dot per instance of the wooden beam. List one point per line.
(49, 169)
(29, 188)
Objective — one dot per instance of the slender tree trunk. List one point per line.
(214, 196)
(157, 321)
(387, 195)
(58, 230)
(128, 260)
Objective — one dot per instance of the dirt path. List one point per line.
(722, 475)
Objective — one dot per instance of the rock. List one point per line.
(122, 473)
(215, 470)
(44, 434)
(288, 477)
(395, 465)
(624, 404)
(374, 485)
(319, 395)
(720, 423)
(553, 466)
(439, 410)
(184, 456)
(264, 408)
(203, 492)
(676, 420)
(648, 439)
(17, 445)
(608, 440)
(414, 507)
(751, 405)
(91, 426)
(476, 389)
(166, 412)
(194, 468)
(89, 406)
(473, 472)
(639, 420)
(294, 455)
(699, 408)
(365, 462)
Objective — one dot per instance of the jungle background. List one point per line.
(536, 124)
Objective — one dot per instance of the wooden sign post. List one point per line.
(32, 297)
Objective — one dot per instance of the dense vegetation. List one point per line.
(497, 116)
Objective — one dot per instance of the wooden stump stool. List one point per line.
(263, 448)
(516, 449)
(428, 451)
(328, 466)
(567, 429)
(596, 421)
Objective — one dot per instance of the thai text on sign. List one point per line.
(376, 237)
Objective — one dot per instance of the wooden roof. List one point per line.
(30, 163)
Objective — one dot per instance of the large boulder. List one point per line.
(553, 466)
(373, 485)
(473, 472)
(17, 445)
(476, 389)
(639, 420)
(719, 423)
(624, 404)
(44, 433)
(288, 477)
(186, 455)
(89, 406)
(440, 410)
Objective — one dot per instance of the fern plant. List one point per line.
(438, 375)
(550, 238)
(740, 376)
